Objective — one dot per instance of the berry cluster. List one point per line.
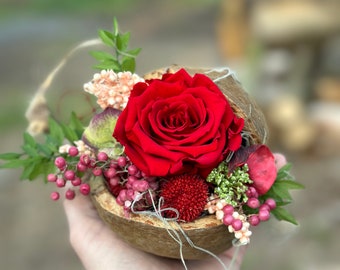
(70, 170)
(263, 210)
(129, 185)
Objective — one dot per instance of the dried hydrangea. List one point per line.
(112, 89)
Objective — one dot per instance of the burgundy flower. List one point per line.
(187, 193)
(261, 164)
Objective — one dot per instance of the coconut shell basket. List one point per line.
(150, 234)
(151, 230)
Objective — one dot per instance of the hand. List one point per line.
(99, 248)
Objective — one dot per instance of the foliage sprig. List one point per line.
(37, 158)
(123, 58)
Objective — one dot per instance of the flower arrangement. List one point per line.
(173, 145)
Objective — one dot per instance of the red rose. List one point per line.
(261, 164)
(178, 124)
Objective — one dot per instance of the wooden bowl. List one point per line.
(148, 233)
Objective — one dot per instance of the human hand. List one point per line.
(99, 248)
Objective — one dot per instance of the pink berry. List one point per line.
(73, 151)
(85, 159)
(264, 215)
(110, 172)
(237, 224)
(132, 170)
(102, 156)
(60, 162)
(254, 220)
(84, 189)
(97, 171)
(253, 203)
(228, 209)
(70, 194)
(55, 196)
(76, 181)
(69, 175)
(228, 219)
(122, 162)
(81, 167)
(60, 182)
(264, 207)
(51, 177)
(140, 185)
(271, 203)
(114, 181)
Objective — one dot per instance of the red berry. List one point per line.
(60, 182)
(55, 196)
(264, 207)
(132, 170)
(84, 189)
(264, 215)
(110, 172)
(51, 177)
(69, 194)
(253, 203)
(102, 156)
(69, 175)
(122, 162)
(271, 203)
(228, 209)
(114, 181)
(81, 167)
(84, 159)
(97, 171)
(228, 219)
(254, 220)
(73, 151)
(76, 181)
(237, 224)
(60, 162)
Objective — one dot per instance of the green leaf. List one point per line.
(27, 171)
(107, 37)
(56, 131)
(129, 64)
(288, 184)
(109, 64)
(29, 150)
(29, 140)
(101, 56)
(9, 156)
(16, 163)
(282, 214)
(122, 41)
(115, 26)
(76, 125)
(282, 193)
(44, 149)
(134, 52)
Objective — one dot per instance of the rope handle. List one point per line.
(38, 112)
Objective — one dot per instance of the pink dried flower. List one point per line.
(112, 89)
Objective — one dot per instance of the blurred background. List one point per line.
(285, 53)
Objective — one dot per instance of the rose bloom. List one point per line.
(178, 124)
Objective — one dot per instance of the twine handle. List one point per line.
(38, 111)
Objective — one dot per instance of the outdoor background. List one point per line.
(285, 53)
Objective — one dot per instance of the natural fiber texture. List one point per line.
(148, 233)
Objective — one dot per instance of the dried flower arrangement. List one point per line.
(178, 154)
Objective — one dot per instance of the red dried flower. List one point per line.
(187, 193)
